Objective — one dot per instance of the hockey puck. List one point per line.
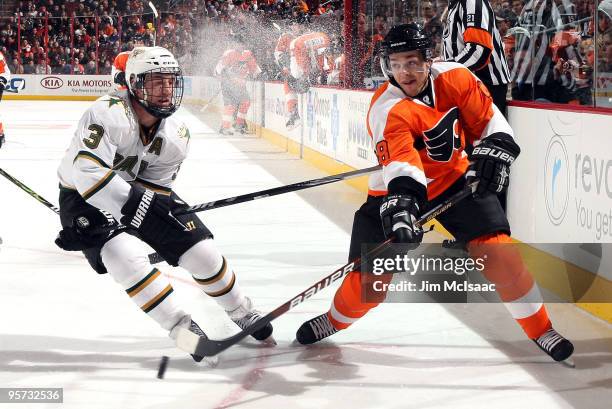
(163, 364)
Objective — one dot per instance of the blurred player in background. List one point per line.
(118, 70)
(120, 61)
(420, 121)
(282, 56)
(5, 77)
(234, 68)
(309, 64)
(120, 167)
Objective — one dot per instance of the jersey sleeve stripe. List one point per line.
(99, 186)
(92, 157)
(152, 186)
(478, 36)
(476, 57)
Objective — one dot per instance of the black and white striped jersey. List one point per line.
(472, 39)
(532, 60)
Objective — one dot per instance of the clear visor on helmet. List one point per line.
(159, 90)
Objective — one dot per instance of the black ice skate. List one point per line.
(557, 347)
(293, 121)
(245, 316)
(225, 131)
(315, 330)
(242, 128)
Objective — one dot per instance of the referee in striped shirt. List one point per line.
(472, 39)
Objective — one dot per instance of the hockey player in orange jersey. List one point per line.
(234, 68)
(309, 63)
(118, 70)
(420, 121)
(282, 56)
(5, 76)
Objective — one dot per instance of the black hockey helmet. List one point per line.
(407, 37)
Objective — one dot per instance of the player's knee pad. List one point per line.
(124, 257)
(203, 260)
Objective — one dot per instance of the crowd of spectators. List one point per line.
(83, 36)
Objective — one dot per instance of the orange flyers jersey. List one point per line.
(423, 139)
(309, 51)
(282, 46)
(237, 65)
(4, 69)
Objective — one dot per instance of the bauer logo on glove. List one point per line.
(490, 164)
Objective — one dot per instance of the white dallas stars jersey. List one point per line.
(107, 152)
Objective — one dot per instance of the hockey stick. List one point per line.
(206, 105)
(155, 17)
(30, 192)
(294, 187)
(154, 258)
(203, 346)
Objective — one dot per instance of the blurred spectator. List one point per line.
(197, 32)
(42, 67)
(29, 67)
(533, 67)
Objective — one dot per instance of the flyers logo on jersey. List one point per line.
(442, 140)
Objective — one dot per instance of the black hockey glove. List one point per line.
(398, 214)
(2, 84)
(88, 230)
(490, 164)
(149, 213)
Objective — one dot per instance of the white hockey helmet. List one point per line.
(141, 64)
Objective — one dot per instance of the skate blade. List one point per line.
(569, 362)
(294, 126)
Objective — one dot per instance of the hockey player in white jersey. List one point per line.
(116, 190)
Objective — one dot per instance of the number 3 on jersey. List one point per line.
(93, 140)
(382, 152)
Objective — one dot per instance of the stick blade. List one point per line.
(187, 340)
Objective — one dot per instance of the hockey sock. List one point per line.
(125, 259)
(213, 273)
(243, 108)
(228, 116)
(290, 98)
(513, 282)
(355, 298)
